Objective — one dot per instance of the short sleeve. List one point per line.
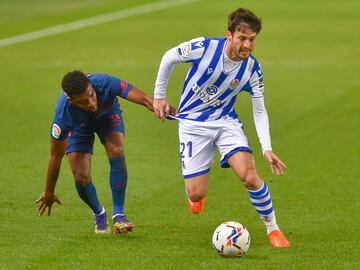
(58, 131)
(119, 86)
(62, 122)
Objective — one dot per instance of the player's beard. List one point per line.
(240, 53)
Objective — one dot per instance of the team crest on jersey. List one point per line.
(234, 84)
(186, 50)
(56, 131)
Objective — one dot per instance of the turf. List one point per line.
(309, 52)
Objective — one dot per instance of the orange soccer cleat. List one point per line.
(197, 207)
(278, 240)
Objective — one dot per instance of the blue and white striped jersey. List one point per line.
(209, 91)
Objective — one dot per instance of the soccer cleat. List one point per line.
(122, 225)
(101, 224)
(278, 240)
(196, 207)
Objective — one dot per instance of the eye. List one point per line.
(82, 102)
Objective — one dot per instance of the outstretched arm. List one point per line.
(139, 97)
(48, 197)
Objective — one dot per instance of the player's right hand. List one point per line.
(162, 108)
(46, 200)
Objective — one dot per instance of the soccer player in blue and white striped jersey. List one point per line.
(221, 68)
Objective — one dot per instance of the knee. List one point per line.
(115, 151)
(82, 178)
(196, 195)
(251, 179)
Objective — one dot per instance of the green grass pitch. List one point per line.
(310, 54)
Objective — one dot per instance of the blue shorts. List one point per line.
(81, 138)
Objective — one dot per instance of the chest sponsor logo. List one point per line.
(207, 94)
(211, 90)
(56, 131)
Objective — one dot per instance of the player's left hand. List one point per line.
(46, 200)
(277, 166)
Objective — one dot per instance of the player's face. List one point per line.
(241, 43)
(86, 101)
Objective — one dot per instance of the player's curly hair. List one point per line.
(74, 83)
(243, 17)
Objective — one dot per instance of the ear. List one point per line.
(68, 98)
(229, 36)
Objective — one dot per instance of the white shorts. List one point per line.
(199, 140)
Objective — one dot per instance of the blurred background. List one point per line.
(309, 51)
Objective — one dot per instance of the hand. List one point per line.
(277, 166)
(162, 108)
(46, 200)
(173, 111)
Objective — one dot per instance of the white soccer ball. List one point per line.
(231, 239)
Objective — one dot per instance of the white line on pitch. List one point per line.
(121, 14)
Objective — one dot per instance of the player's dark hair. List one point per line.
(243, 17)
(74, 83)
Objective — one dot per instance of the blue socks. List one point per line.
(88, 194)
(118, 181)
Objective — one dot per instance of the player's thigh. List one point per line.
(80, 163)
(80, 139)
(230, 140)
(110, 129)
(243, 164)
(114, 144)
(197, 149)
(196, 187)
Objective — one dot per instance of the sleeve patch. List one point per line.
(56, 131)
(123, 85)
(186, 49)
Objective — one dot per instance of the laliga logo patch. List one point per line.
(211, 90)
(234, 84)
(186, 50)
(56, 131)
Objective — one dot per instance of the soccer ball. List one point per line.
(231, 239)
